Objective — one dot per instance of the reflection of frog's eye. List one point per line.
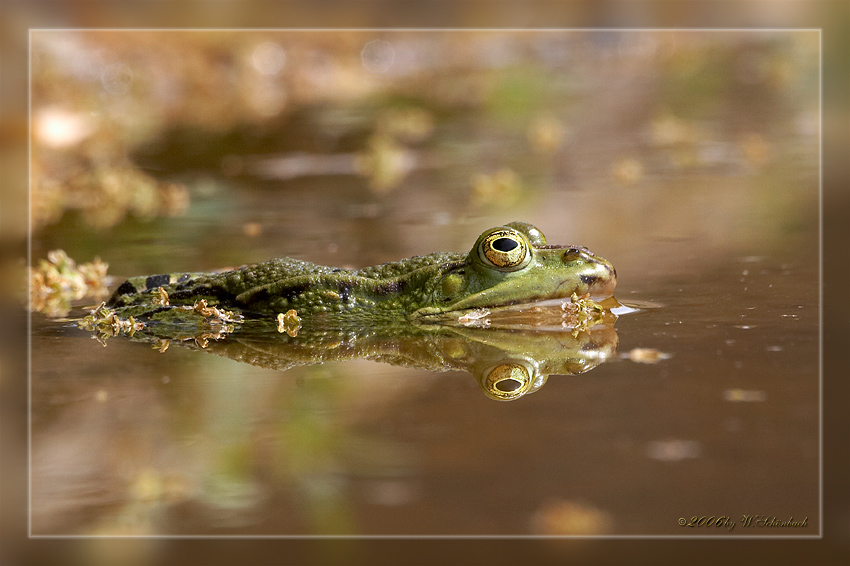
(505, 250)
(507, 381)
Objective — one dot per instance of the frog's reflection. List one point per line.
(508, 360)
(510, 363)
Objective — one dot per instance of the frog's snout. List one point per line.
(597, 274)
(603, 287)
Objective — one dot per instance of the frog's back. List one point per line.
(283, 283)
(249, 277)
(225, 284)
(402, 268)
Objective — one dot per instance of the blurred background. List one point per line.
(666, 150)
(690, 159)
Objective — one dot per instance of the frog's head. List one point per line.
(511, 265)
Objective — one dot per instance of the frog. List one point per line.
(508, 265)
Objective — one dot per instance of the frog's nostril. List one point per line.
(574, 254)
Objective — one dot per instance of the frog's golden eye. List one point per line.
(505, 250)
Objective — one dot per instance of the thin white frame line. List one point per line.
(448, 30)
(820, 269)
(441, 537)
(819, 535)
(29, 284)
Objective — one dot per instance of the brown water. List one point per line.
(692, 168)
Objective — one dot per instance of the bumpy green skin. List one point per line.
(434, 286)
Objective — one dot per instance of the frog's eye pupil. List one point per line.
(508, 385)
(504, 244)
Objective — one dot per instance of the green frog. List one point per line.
(508, 265)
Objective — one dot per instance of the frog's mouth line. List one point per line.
(542, 306)
(517, 306)
(544, 315)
